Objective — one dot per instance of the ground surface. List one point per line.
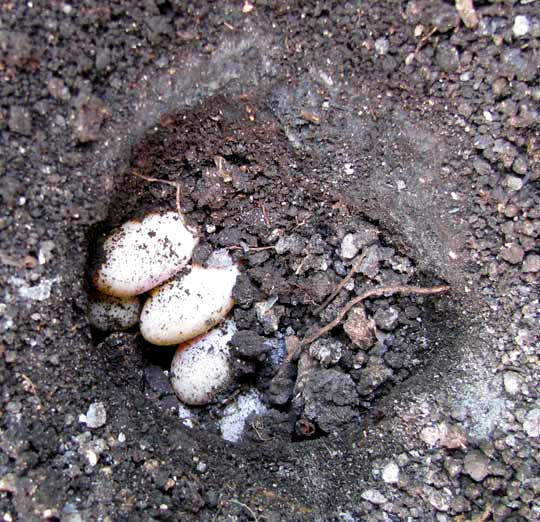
(290, 125)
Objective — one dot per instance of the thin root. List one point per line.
(344, 282)
(175, 184)
(374, 292)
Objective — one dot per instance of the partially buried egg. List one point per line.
(140, 255)
(182, 309)
(200, 368)
(110, 313)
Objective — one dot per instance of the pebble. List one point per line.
(531, 263)
(531, 425)
(521, 26)
(140, 255)
(390, 473)
(374, 496)
(382, 45)
(372, 376)
(348, 247)
(88, 119)
(386, 318)
(512, 253)
(513, 182)
(328, 352)
(359, 328)
(20, 120)
(476, 465)
(96, 416)
(182, 309)
(512, 382)
(200, 368)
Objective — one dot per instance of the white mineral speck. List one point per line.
(521, 26)
(235, 415)
(348, 247)
(390, 473)
(374, 496)
(532, 423)
(96, 416)
(512, 382)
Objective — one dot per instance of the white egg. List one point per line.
(182, 309)
(110, 313)
(140, 255)
(200, 368)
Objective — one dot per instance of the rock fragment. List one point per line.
(512, 253)
(88, 119)
(531, 263)
(476, 465)
(96, 416)
(467, 13)
(531, 425)
(20, 120)
(359, 328)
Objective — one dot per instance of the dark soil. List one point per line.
(301, 136)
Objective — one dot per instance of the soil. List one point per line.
(302, 136)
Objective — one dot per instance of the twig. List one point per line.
(344, 282)
(374, 292)
(251, 249)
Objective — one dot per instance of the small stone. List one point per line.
(512, 382)
(319, 285)
(372, 376)
(326, 351)
(88, 119)
(513, 182)
(531, 263)
(374, 496)
(359, 328)
(452, 436)
(20, 120)
(382, 45)
(96, 416)
(439, 499)
(447, 57)
(465, 9)
(58, 89)
(476, 465)
(521, 26)
(293, 244)
(520, 166)
(348, 247)
(531, 425)
(512, 253)
(386, 318)
(390, 473)
(8, 483)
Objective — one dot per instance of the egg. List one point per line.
(200, 368)
(185, 308)
(140, 255)
(111, 313)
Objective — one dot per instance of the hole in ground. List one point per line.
(249, 191)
